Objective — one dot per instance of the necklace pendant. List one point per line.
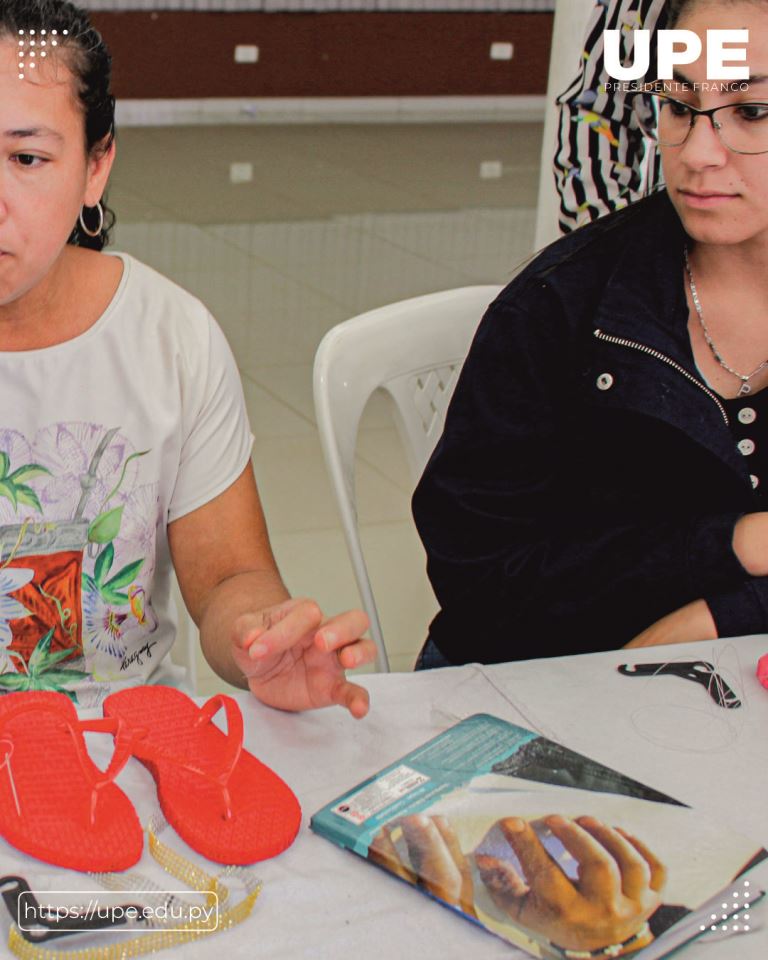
(745, 389)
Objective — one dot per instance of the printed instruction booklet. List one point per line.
(438, 818)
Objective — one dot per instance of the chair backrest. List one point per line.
(414, 350)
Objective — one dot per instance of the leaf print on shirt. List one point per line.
(14, 486)
(86, 575)
(43, 673)
(111, 588)
(104, 592)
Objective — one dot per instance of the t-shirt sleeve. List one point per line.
(217, 438)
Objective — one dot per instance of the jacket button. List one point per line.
(755, 481)
(604, 381)
(747, 415)
(747, 447)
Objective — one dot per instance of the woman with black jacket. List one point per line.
(602, 476)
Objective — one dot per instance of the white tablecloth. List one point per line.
(322, 902)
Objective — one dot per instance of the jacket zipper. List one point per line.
(634, 345)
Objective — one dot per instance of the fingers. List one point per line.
(383, 852)
(288, 648)
(450, 840)
(453, 847)
(357, 654)
(502, 881)
(342, 633)
(342, 630)
(351, 696)
(246, 629)
(634, 869)
(276, 629)
(542, 874)
(599, 877)
(431, 859)
(658, 871)
(279, 628)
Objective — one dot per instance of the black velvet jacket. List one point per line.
(587, 482)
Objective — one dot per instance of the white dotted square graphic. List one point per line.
(738, 921)
(32, 44)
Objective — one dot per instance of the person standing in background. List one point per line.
(602, 161)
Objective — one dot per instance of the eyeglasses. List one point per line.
(741, 127)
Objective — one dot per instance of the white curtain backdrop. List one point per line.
(571, 18)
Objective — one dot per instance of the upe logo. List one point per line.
(676, 48)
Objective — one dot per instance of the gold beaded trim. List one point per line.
(180, 868)
(185, 871)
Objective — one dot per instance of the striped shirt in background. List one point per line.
(603, 162)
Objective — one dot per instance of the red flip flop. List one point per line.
(219, 798)
(55, 803)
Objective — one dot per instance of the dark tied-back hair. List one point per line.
(89, 60)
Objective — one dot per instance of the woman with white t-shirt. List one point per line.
(114, 467)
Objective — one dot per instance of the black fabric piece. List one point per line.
(36, 926)
(544, 761)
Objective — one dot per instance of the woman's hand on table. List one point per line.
(251, 632)
(295, 659)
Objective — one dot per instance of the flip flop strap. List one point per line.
(234, 744)
(8, 714)
(117, 727)
(124, 740)
(5, 764)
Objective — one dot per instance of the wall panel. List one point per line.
(180, 54)
(518, 6)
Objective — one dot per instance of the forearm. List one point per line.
(242, 593)
(750, 543)
(608, 584)
(695, 621)
(637, 604)
(285, 651)
(687, 625)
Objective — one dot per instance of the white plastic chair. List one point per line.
(414, 350)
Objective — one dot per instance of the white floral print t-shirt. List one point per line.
(104, 440)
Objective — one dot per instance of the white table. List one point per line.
(322, 902)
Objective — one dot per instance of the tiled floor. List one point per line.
(337, 219)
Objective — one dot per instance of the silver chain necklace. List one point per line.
(745, 387)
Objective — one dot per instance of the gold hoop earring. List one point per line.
(97, 232)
